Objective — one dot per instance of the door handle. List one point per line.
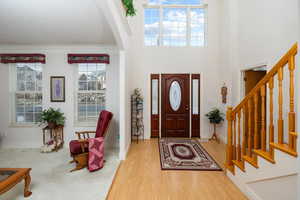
(186, 107)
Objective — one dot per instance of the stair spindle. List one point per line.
(263, 117)
(280, 104)
(292, 114)
(234, 138)
(271, 111)
(229, 162)
(244, 143)
(239, 137)
(256, 136)
(249, 128)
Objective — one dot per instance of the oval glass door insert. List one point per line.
(175, 95)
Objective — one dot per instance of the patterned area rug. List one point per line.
(185, 154)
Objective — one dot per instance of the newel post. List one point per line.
(229, 152)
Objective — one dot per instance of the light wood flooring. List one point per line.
(141, 178)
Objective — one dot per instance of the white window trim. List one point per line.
(12, 106)
(76, 122)
(160, 35)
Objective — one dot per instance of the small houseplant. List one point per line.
(215, 117)
(53, 117)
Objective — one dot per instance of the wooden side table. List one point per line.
(56, 134)
(12, 176)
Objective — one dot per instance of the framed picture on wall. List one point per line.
(57, 87)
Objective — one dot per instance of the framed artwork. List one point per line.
(57, 84)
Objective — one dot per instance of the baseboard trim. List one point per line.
(123, 155)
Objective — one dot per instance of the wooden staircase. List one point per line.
(249, 133)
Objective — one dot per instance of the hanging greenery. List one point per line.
(129, 7)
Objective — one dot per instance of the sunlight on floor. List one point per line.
(140, 177)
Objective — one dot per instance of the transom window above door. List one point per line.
(175, 23)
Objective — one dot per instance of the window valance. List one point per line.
(22, 58)
(88, 58)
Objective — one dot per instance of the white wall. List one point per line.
(114, 14)
(264, 31)
(57, 65)
(256, 32)
(273, 189)
(125, 134)
(203, 60)
(241, 34)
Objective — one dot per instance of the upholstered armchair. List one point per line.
(79, 148)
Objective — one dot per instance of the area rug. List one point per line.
(185, 154)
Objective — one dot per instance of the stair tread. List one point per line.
(284, 148)
(239, 164)
(230, 168)
(265, 154)
(251, 161)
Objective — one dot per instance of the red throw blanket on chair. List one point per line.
(96, 153)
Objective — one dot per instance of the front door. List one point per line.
(175, 105)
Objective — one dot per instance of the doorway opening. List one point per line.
(251, 77)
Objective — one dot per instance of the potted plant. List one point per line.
(53, 117)
(215, 117)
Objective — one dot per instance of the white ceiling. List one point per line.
(53, 22)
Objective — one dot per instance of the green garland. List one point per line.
(130, 10)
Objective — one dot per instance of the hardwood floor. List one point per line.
(141, 178)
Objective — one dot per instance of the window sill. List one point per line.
(25, 125)
(85, 124)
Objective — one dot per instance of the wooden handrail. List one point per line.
(282, 62)
(254, 142)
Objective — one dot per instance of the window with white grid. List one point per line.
(174, 23)
(197, 27)
(27, 92)
(152, 27)
(91, 90)
(174, 27)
